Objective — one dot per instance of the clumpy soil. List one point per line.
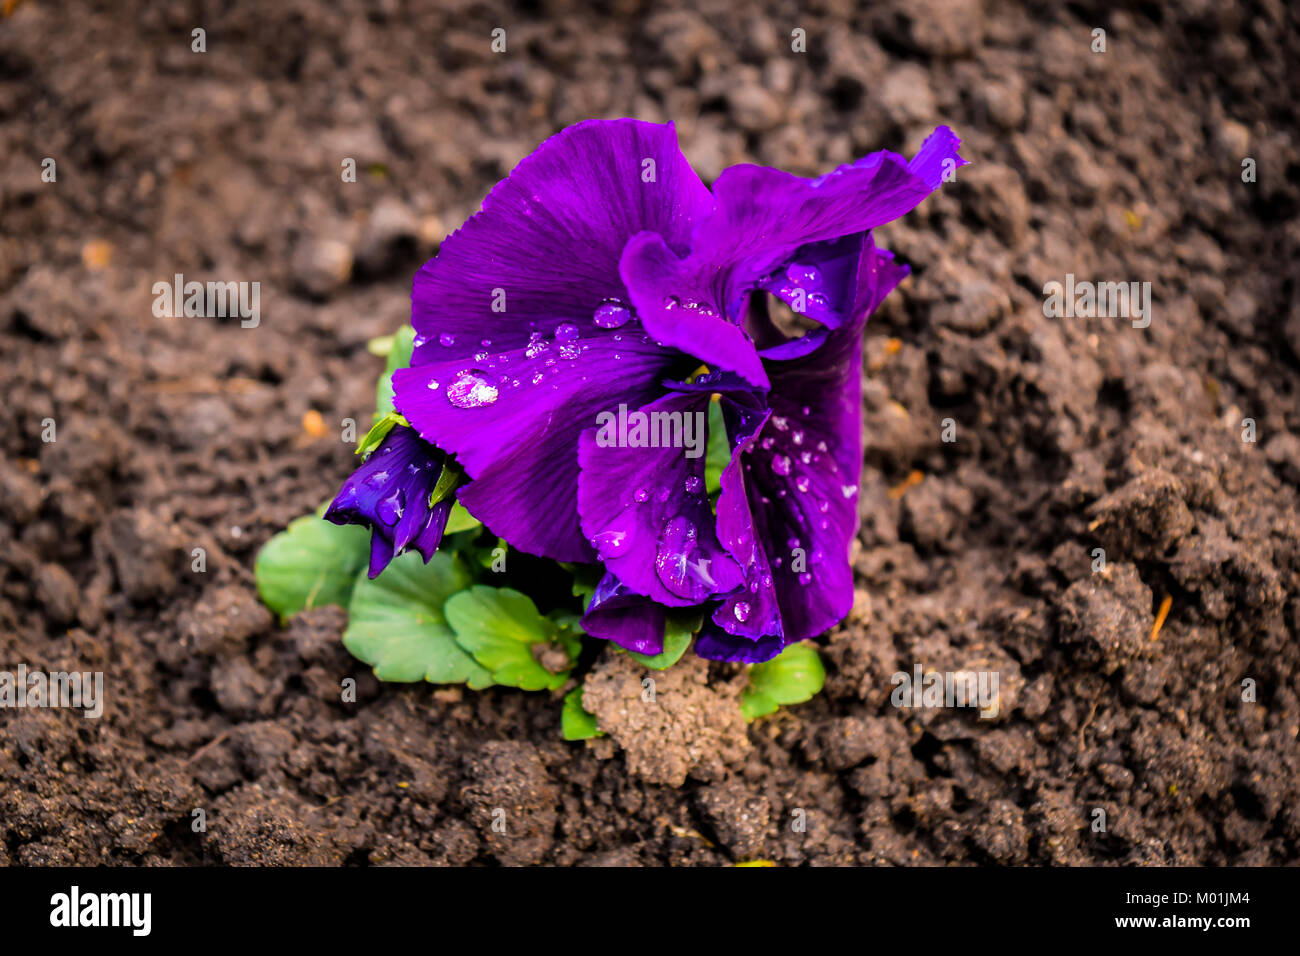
(1070, 435)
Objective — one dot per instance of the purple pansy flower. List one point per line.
(390, 494)
(597, 279)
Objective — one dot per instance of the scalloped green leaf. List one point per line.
(396, 622)
(575, 722)
(500, 627)
(309, 564)
(792, 677)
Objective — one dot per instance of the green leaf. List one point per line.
(399, 356)
(585, 579)
(792, 677)
(448, 479)
(381, 345)
(575, 722)
(310, 564)
(500, 626)
(379, 431)
(718, 453)
(397, 626)
(679, 628)
(460, 520)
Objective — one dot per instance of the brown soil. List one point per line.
(1071, 434)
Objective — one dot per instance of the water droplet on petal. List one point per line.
(742, 611)
(641, 494)
(805, 579)
(471, 390)
(675, 559)
(848, 491)
(803, 275)
(446, 340)
(802, 482)
(390, 509)
(537, 344)
(781, 464)
(694, 484)
(610, 544)
(611, 314)
(566, 332)
(780, 423)
(433, 385)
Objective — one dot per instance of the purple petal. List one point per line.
(389, 493)
(806, 464)
(762, 216)
(800, 480)
(544, 249)
(765, 221)
(819, 283)
(646, 510)
(679, 305)
(630, 620)
(514, 421)
(938, 155)
(520, 335)
(753, 611)
(715, 644)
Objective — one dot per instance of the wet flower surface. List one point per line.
(602, 275)
(390, 493)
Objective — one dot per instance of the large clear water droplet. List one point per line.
(537, 344)
(566, 332)
(803, 275)
(675, 559)
(611, 315)
(390, 509)
(742, 611)
(471, 390)
(611, 544)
